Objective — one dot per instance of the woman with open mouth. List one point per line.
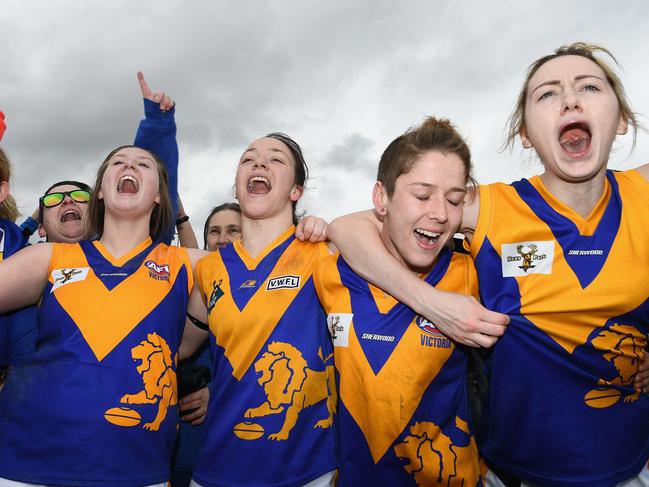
(97, 404)
(564, 255)
(270, 418)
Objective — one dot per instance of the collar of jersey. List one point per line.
(252, 262)
(124, 258)
(586, 226)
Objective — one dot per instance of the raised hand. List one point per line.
(165, 102)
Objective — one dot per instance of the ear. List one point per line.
(622, 126)
(527, 143)
(4, 190)
(100, 195)
(157, 199)
(41, 231)
(296, 193)
(380, 198)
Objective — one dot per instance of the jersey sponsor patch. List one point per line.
(250, 283)
(283, 282)
(339, 324)
(524, 258)
(157, 271)
(61, 277)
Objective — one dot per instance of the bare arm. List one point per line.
(193, 337)
(23, 277)
(459, 317)
(186, 234)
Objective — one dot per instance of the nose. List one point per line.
(67, 200)
(437, 210)
(570, 102)
(260, 162)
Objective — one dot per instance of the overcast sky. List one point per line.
(342, 77)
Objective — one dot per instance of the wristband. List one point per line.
(182, 220)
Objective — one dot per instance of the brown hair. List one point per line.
(516, 121)
(432, 135)
(8, 208)
(162, 216)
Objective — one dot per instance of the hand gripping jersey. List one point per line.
(404, 416)
(270, 419)
(96, 405)
(562, 410)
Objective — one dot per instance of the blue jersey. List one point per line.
(404, 416)
(562, 409)
(96, 404)
(270, 419)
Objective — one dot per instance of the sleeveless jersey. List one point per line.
(270, 419)
(562, 410)
(96, 404)
(404, 415)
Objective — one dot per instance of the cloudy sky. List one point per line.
(342, 77)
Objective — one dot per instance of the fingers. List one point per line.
(311, 228)
(166, 103)
(146, 91)
(494, 317)
(319, 232)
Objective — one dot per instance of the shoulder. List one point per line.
(644, 171)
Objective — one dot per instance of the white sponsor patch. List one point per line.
(2, 240)
(283, 282)
(61, 277)
(524, 258)
(339, 324)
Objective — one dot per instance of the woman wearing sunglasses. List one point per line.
(62, 212)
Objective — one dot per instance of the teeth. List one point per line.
(258, 179)
(127, 178)
(427, 233)
(70, 212)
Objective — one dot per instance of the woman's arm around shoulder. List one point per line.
(461, 318)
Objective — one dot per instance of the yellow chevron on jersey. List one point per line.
(560, 289)
(382, 403)
(577, 293)
(124, 306)
(268, 304)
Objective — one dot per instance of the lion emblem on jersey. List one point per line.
(623, 347)
(158, 377)
(433, 459)
(291, 386)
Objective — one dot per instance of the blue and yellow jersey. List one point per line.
(96, 404)
(270, 419)
(404, 417)
(562, 409)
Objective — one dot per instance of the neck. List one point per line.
(581, 197)
(257, 234)
(121, 236)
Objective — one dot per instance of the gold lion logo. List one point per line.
(158, 377)
(291, 386)
(435, 460)
(622, 348)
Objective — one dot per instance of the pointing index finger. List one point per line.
(146, 91)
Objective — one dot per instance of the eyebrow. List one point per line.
(450, 190)
(555, 82)
(272, 149)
